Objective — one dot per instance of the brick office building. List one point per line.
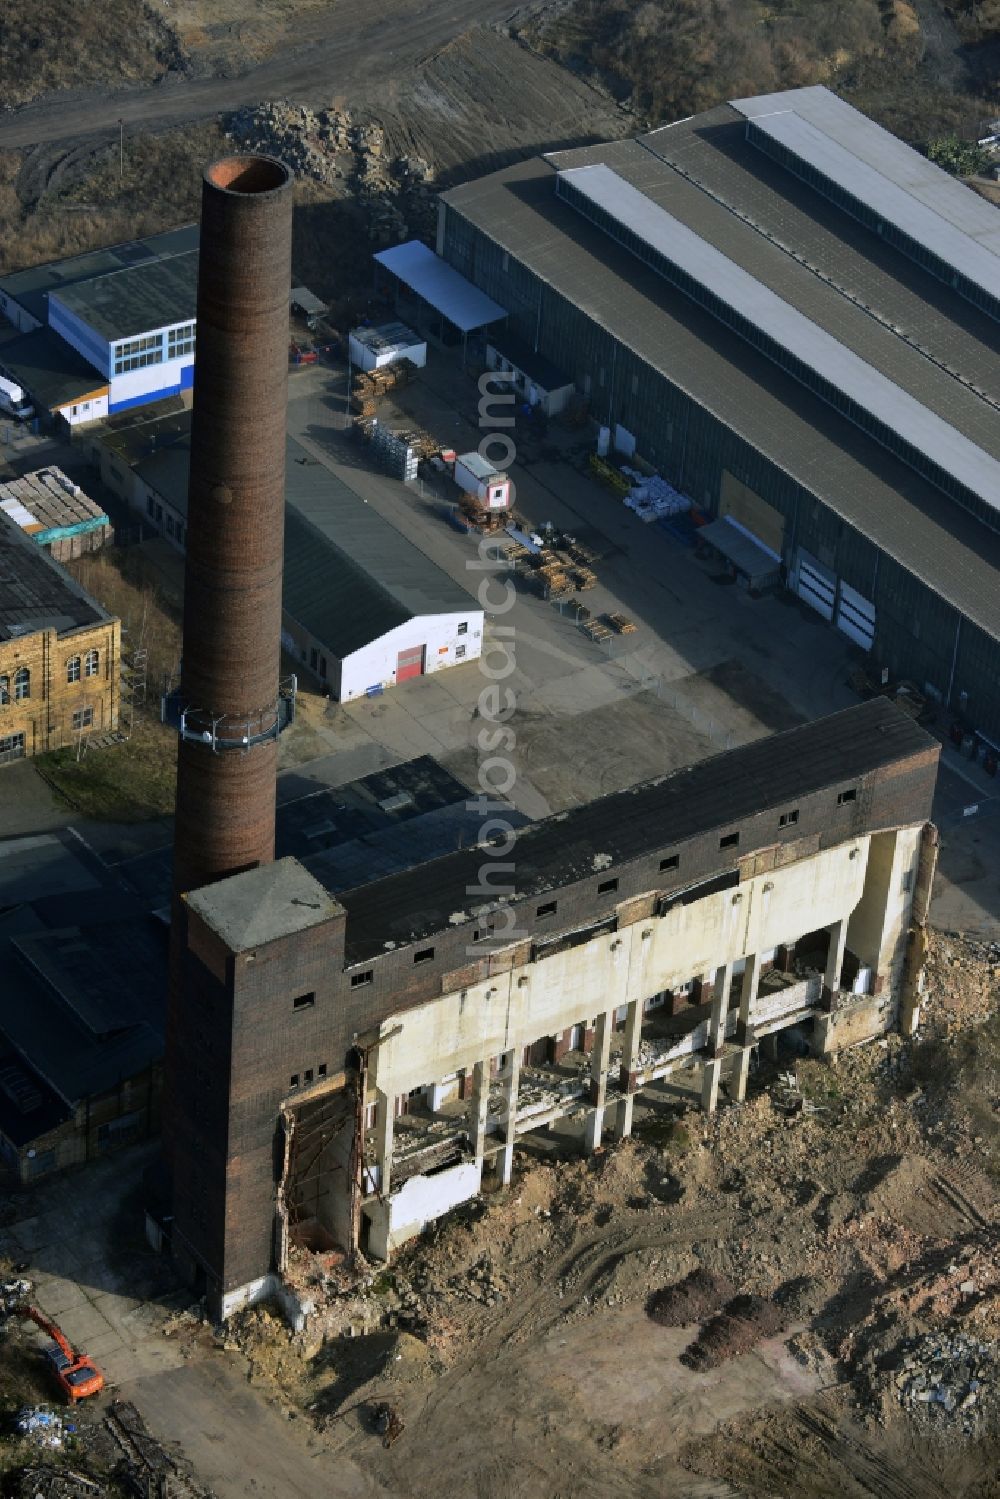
(59, 653)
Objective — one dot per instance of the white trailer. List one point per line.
(477, 476)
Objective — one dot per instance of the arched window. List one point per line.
(73, 669)
(91, 662)
(22, 684)
(4, 691)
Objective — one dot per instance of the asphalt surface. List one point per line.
(350, 50)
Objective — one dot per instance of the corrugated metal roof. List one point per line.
(876, 493)
(889, 177)
(441, 285)
(895, 314)
(803, 338)
(350, 576)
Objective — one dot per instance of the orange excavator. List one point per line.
(76, 1375)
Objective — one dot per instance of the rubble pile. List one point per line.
(307, 140)
(42, 1427)
(950, 1379)
(329, 146)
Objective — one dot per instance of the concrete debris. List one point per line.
(950, 1379)
(331, 147)
(42, 1427)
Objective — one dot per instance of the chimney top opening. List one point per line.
(248, 175)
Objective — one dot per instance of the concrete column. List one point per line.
(834, 963)
(630, 1059)
(384, 1122)
(511, 1076)
(720, 1001)
(594, 1127)
(478, 1108)
(748, 988)
(739, 1088)
(710, 1084)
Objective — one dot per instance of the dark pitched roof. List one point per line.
(35, 592)
(349, 575)
(655, 815)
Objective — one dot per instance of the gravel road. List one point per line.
(348, 51)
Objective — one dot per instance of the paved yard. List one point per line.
(81, 1235)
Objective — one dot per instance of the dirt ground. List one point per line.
(860, 1200)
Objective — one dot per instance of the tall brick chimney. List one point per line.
(228, 709)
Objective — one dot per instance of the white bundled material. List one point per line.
(651, 497)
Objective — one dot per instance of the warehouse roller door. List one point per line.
(815, 584)
(410, 663)
(752, 512)
(856, 617)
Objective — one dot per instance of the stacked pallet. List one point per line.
(621, 623)
(584, 577)
(369, 386)
(597, 630)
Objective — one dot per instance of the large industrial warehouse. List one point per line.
(793, 316)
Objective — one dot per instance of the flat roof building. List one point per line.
(782, 356)
(105, 331)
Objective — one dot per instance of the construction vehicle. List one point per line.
(76, 1375)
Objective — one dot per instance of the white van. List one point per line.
(14, 400)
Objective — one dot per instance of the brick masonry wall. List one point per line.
(45, 718)
(246, 1037)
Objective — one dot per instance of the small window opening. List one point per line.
(463, 628)
(670, 862)
(424, 955)
(548, 908)
(606, 887)
(321, 1069)
(308, 1075)
(358, 979)
(303, 1001)
(847, 796)
(293, 1081)
(729, 840)
(788, 819)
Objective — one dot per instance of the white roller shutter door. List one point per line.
(856, 617)
(815, 584)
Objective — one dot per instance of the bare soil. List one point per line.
(515, 1341)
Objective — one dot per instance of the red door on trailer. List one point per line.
(410, 663)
